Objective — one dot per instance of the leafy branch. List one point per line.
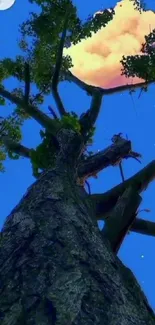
(33, 111)
(16, 147)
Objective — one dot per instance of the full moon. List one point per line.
(6, 4)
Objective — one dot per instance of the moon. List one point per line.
(6, 4)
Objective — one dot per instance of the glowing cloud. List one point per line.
(96, 59)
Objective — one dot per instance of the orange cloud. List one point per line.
(96, 59)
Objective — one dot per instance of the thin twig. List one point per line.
(52, 112)
(27, 82)
(121, 171)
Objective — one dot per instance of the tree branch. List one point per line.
(52, 112)
(141, 226)
(89, 88)
(104, 202)
(112, 155)
(121, 172)
(16, 147)
(55, 79)
(27, 82)
(88, 119)
(144, 227)
(33, 111)
(122, 216)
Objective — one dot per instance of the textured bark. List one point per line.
(55, 267)
(109, 156)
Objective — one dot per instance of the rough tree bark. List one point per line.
(55, 266)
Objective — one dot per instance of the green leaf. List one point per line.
(13, 155)
(2, 101)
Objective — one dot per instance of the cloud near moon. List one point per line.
(6, 4)
(96, 59)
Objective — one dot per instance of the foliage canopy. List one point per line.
(43, 37)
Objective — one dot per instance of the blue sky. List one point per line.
(119, 113)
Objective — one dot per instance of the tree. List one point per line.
(55, 265)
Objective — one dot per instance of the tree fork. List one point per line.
(121, 218)
(105, 202)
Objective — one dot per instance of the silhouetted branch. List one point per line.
(144, 227)
(27, 82)
(52, 112)
(103, 203)
(121, 172)
(89, 88)
(121, 218)
(89, 118)
(55, 79)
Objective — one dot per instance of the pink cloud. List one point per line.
(96, 59)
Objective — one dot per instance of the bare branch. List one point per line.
(112, 155)
(88, 185)
(121, 171)
(144, 227)
(16, 147)
(52, 112)
(141, 226)
(89, 88)
(104, 202)
(27, 82)
(88, 119)
(122, 216)
(37, 96)
(55, 79)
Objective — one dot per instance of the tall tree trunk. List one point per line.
(55, 267)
